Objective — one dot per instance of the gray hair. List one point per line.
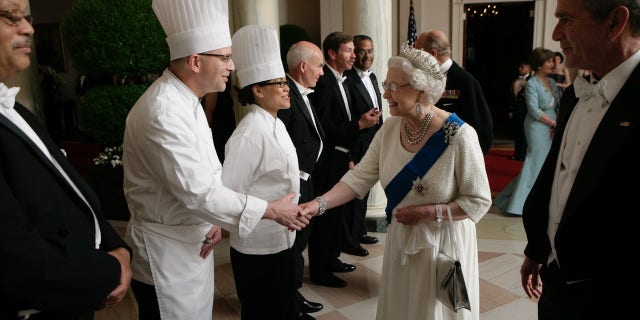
(420, 79)
(297, 54)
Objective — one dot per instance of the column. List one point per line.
(374, 19)
(264, 12)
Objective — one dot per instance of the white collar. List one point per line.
(8, 96)
(337, 74)
(445, 66)
(303, 91)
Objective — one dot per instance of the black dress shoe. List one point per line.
(304, 316)
(360, 251)
(331, 281)
(368, 239)
(307, 306)
(343, 267)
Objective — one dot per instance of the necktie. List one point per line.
(585, 90)
(8, 96)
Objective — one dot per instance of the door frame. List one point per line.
(458, 17)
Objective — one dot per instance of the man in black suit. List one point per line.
(60, 257)
(365, 96)
(463, 93)
(342, 126)
(584, 180)
(304, 61)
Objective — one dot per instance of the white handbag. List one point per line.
(452, 290)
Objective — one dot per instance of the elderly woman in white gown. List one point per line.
(425, 158)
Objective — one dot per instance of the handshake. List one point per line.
(290, 215)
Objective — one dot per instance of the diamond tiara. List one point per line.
(421, 60)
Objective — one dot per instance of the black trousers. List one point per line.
(354, 226)
(302, 236)
(147, 300)
(562, 301)
(265, 284)
(325, 242)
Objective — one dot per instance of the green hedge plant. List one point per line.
(106, 108)
(115, 37)
(120, 46)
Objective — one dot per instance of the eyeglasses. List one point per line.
(226, 58)
(363, 51)
(281, 84)
(15, 17)
(392, 86)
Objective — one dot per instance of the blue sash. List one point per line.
(402, 183)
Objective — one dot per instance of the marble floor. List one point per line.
(501, 241)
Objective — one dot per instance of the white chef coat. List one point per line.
(261, 160)
(173, 187)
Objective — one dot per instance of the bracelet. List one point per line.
(438, 213)
(323, 205)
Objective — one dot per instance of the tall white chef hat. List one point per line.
(256, 54)
(193, 26)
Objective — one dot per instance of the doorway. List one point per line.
(497, 36)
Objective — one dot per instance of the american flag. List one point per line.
(411, 30)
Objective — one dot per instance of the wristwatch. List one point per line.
(323, 205)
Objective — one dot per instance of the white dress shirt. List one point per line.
(305, 92)
(364, 76)
(260, 160)
(341, 79)
(581, 127)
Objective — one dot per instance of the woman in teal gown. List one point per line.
(541, 95)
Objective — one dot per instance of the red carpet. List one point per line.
(500, 169)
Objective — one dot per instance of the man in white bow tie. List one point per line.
(341, 125)
(305, 62)
(584, 178)
(60, 257)
(362, 84)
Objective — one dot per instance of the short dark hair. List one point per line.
(601, 9)
(361, 37)
(559, 54)
(538, 57)
(333, 41)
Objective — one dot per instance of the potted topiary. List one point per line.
(119, 46)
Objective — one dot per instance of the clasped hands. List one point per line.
(302, 213)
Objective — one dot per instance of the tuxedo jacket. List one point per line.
(463, 95)
(339, 130)
(361, 103)
(594, 230)
(47, 243)
(306, 139)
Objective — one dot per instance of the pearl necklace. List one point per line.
(415, 137)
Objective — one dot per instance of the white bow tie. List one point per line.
(306, 91)
(341, 80)
(366, 73)
(8, 96)
(585, 90)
